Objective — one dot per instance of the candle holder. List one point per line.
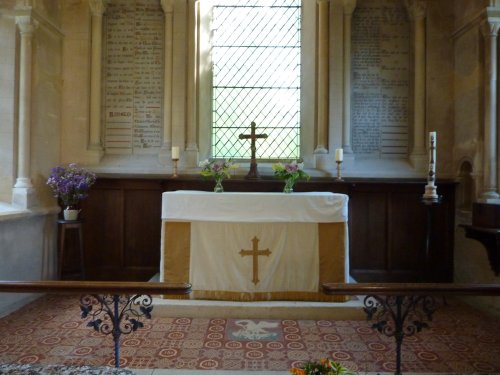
(175, 168)
(339, 164)
(430, 194)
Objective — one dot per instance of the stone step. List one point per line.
(190, 308)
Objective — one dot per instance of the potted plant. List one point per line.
(70, 184)
(323, 367)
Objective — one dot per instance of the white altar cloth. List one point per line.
(204, 236)
(317, 207)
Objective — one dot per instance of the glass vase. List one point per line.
(218, 185)
(289, 182)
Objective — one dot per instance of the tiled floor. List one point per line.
(51, 331)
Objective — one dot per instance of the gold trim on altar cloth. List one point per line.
(333, 265)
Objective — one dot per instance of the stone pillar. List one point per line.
(97, 9)
(23, 192)
(416, 10)
(349, 6)
(192, 84)
(490, 32)
(166, 149)
(323, 79)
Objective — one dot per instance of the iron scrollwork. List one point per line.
(116, 315)
(399, 317)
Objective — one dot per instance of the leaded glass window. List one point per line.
(256, 77)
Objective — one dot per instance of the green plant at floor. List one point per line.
(323, 367)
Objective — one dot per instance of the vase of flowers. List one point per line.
(323, 367)
(70, 184)
(219, 170)
(290, 172)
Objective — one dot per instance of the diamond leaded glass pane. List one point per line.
(256, 77)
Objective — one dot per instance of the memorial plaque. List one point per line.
(380, 78)
(133, 79)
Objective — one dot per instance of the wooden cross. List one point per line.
(255, 252)
(253, 174)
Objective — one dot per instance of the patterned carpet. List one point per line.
(51, 331)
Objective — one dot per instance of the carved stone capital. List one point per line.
(349, 6)
(167, 6)
(416, 9)
(489, 28)
(26, 24)
(97, 7)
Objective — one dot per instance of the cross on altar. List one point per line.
(253, 173)
(255, 252)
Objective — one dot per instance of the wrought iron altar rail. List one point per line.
(402, 309)
(116, 313)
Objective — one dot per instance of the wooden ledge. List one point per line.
(108, 287)
(412, 289)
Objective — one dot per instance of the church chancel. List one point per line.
(255, 246)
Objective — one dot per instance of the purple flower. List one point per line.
(70, 184)
(216, 169)
(292, 170)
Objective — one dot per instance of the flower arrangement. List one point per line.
(71, 183)
(290, 172)
(218, 170)
(323, 367)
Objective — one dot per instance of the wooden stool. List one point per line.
(65, 225)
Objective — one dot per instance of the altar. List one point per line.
(255, 246)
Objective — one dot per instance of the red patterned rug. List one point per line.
(51, 331)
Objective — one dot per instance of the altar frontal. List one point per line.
(255, 246)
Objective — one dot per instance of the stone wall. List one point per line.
(28, 252)
(27, 234)
(7, 103)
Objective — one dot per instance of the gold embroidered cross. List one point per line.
(255, 252)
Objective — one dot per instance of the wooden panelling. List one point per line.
(387, 225)
(142, 228)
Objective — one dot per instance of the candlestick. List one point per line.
(339, 155)
(339, 164)
(174, 175)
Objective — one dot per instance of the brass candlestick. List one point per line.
(339, 164)
(175, 168)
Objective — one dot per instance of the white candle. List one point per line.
(175, 152)
(339, 154)
(432, 155)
